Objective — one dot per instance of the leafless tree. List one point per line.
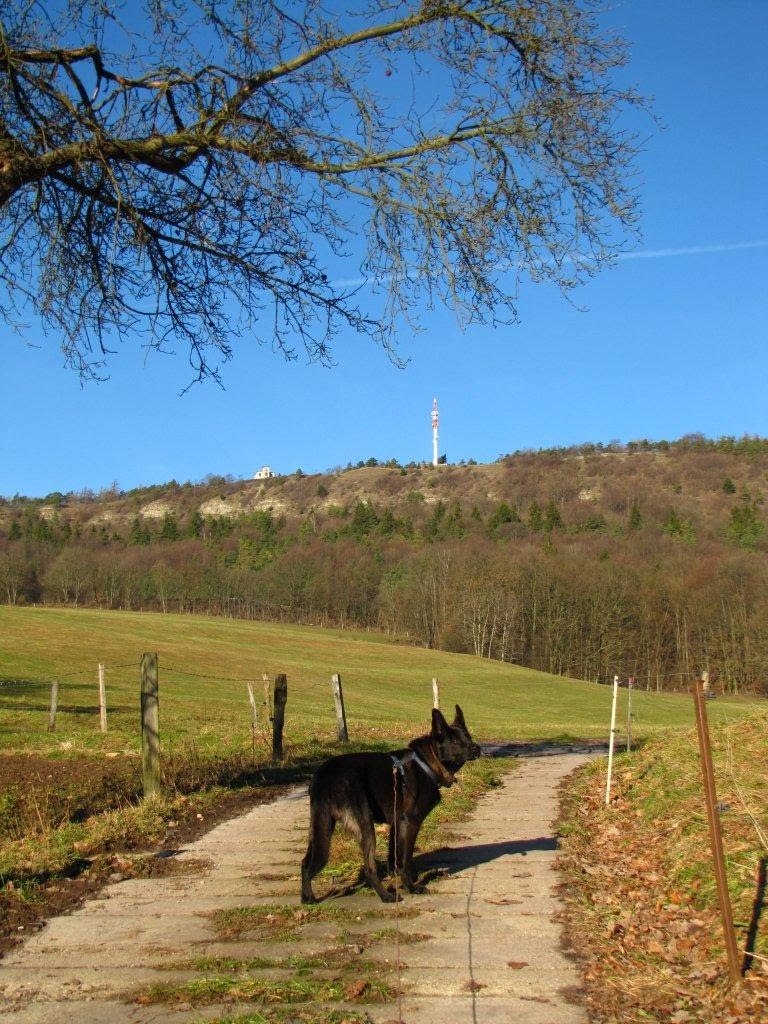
(158, 159)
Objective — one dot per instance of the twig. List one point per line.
(755, 956)
(740, 795)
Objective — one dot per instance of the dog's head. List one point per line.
(453, 744)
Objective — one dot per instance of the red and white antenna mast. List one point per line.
(434, 432)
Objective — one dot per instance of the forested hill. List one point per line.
(647, 559)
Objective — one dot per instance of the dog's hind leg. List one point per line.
(318, 850)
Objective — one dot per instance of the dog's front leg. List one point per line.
(409, 832)
(368, 846)
(396, 850)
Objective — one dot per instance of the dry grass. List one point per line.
(642, 904)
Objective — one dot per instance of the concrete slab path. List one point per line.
(494, 953)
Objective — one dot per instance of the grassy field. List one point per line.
(204, 663)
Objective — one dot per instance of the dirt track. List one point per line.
(493, 954)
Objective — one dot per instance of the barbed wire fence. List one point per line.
(218, 707)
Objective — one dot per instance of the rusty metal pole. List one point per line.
(715, 835)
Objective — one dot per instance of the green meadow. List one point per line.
(204, 664)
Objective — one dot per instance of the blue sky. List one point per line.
(669, 341)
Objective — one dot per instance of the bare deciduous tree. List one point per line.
(157, 159)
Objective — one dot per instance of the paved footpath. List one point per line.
(494, 955)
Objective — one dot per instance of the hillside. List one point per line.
(687, 476)
(647, 559)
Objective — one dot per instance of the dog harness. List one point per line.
(400, 764)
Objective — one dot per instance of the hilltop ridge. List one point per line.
(692, 474)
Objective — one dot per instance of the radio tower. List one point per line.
(434, 432)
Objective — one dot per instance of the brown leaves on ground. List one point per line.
(355, 990)
(640, 905)
(474, 986)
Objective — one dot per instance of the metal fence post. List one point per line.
(715, 835)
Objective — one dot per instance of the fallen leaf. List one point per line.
(355, 989)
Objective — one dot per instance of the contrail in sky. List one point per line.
(643, 254)
(692, 250)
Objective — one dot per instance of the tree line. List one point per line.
(637, 593)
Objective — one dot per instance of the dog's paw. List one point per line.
(389, 896)
(417, 889)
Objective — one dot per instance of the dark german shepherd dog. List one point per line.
(358, 790)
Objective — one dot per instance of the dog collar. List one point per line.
(425, 768)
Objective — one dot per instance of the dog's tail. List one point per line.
(321, 826)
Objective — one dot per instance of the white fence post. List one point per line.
(102, 700)
(610, 741)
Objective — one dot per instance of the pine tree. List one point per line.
(535, 517)
(364, 518)
(196, 524)
(139, 533)
(552, 518)
(745, 527)
(170, 528)
(503, 513)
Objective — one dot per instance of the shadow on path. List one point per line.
(449, 860)
(543, 748)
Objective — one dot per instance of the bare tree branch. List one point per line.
(204, 156)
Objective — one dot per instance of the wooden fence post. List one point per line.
(254, 718)
(435, 693)
(278, 720)
(54, 706)
(102, 700)
(150, 726)
(338, 700)
(715, 835)
(267, 696)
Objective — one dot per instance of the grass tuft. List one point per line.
(203, 991)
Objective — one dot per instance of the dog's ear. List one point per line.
(439, 724)
(459, 719)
